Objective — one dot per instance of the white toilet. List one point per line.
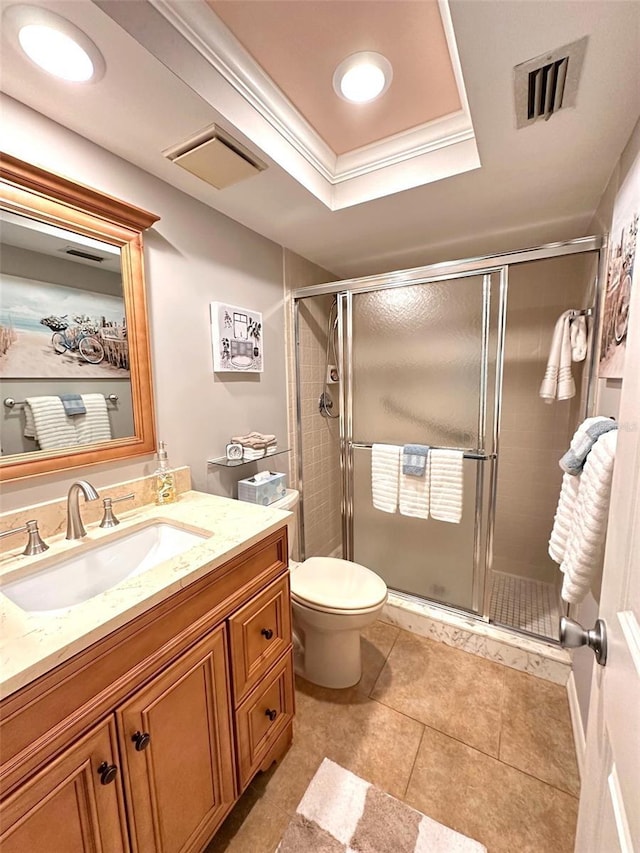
(332, 601)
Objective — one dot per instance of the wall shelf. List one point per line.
(235, 463)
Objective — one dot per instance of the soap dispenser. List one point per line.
(165, 484)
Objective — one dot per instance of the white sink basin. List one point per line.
(80, 576)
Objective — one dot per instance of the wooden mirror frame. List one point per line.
(42, 195)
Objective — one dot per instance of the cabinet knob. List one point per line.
(267, 633)
(141, 740)
(271, 713)
(107, 772)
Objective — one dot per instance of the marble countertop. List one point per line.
(31, 644)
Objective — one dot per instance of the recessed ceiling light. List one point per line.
(362, 77)
(55, 44)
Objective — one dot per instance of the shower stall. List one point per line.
(450, 356)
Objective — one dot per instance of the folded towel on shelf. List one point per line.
(73, 404)
(94, 426)
(578, 336)
(445, 496)
(558, 383)
(413, 497)
(250, 455)
(385, 471)
(584, 546)
(585, 437)
(254, 440)
(414, 459)
(47, 423)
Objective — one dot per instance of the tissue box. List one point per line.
(263, 491)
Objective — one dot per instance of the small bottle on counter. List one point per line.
(165, 485)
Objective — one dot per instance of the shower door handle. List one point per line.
(573, 635)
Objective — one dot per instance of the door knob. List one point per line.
(573, 635)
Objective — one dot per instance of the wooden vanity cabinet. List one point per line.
(196, 710)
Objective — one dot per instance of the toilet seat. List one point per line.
(337, 586)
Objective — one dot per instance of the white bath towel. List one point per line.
(48, 423)
(414, 493)
(558, 381)
(94, 426)
(385, 472)
(580, 445)
(584, 542)
(445, 469)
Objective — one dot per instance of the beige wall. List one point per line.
(535, 434)
(321, 477)
(193, 256)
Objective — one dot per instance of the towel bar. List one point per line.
(9, 402)
(467, 454)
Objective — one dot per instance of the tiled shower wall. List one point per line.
(320, 436)
(535, 434)
(321, 477)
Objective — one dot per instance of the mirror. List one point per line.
(75, 373)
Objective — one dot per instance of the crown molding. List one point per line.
(212, 39)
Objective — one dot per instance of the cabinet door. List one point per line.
(72, 804)
(177, 753)
(260, 632)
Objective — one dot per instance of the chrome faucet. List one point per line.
(75, 527)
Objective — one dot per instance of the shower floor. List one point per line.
(524, 604)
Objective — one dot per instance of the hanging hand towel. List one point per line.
(578, 335)
(446, 485)
(414, 487)
(558, 381)
(585, 546)
(385, 471)
(73, 404)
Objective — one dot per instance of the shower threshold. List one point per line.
(538, 656)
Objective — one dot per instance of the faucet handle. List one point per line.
(109, 519)
(35, 545)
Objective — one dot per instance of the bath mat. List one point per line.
(341, 813)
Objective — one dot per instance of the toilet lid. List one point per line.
(337, 584)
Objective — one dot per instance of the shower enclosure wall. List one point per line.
(449, 356)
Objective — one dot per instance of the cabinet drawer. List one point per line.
(262, 717)
(260, 632)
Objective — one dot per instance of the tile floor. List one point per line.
(482, 748)
(525, 604)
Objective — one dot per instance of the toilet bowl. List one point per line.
(332, 601)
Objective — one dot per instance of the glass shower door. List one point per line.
(423, 370)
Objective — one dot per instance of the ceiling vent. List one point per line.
(215, 157)
(548, 83)
(86, 256)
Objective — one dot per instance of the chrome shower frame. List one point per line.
(485, 266)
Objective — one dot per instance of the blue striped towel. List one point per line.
(414, 459)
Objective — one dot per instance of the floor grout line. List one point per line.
(415, 758)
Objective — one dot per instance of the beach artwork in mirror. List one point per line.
(64, 350)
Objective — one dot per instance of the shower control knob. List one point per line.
(573, 635)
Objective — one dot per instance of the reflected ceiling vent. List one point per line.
(86, 256)
(548, 83)
(215, 157)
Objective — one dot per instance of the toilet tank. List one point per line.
(290, 502)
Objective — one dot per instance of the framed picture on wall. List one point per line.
(236, 339)
(622, 274)
(49, 331)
